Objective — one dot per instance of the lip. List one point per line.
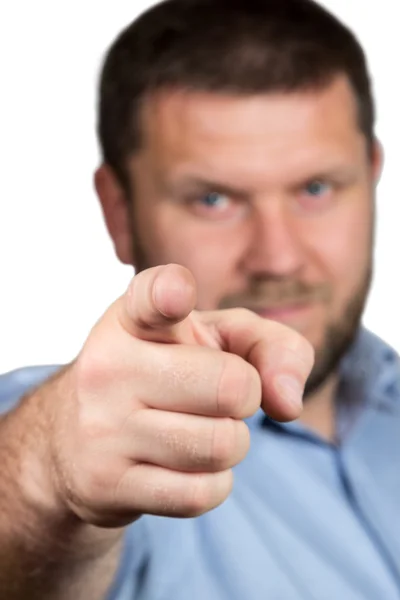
(284, 313)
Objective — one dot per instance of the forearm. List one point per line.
(51, 570)
(45, 552)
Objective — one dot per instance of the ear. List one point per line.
(377, 160)
(116, 212)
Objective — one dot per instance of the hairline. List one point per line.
(138, 113)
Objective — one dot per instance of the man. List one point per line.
(239, 175)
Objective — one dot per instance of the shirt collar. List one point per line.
(369, 377)
(371, 369)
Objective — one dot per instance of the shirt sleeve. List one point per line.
(134, 558)
(15, 384)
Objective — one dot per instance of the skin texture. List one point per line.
(268, 201)
(149, 417)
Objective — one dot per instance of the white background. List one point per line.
(58, 271)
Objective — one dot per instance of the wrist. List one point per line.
(32, 505)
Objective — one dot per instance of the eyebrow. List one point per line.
(344, 174)
(198, 185)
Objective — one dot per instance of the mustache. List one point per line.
(271, 294)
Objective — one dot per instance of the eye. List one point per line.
(215, 206)
(317, 188)
(214, 200)
(315, 196)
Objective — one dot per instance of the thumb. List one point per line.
(157, 303)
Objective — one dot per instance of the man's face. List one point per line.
(268, 200)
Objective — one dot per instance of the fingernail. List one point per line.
(290, 389)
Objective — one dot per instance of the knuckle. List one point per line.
(93, 424)
(189, 499)
(308, 352)
(177, 440)
(301, 350)
(243, 315)
(92, 371)
(295, 341)
(249, 397)
(92, 484)
(223, 444)
(165, 495)
(239, 388)
(242, 441)
(197, 496)
(289, 348)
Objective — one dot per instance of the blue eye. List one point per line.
(213, 200)
(317, 188)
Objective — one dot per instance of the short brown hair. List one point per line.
(224, 46)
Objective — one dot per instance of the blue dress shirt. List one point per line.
(307, 519)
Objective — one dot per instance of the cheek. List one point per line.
(210, 252)
(345, 252)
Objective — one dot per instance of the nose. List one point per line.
(275, 249)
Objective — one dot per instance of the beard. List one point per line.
(338, 338)
(339, 334)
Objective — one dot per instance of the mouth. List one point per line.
(283, 312)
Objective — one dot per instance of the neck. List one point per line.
(319, 410)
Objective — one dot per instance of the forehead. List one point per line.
(219, 132)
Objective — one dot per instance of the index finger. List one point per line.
(282, 357)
